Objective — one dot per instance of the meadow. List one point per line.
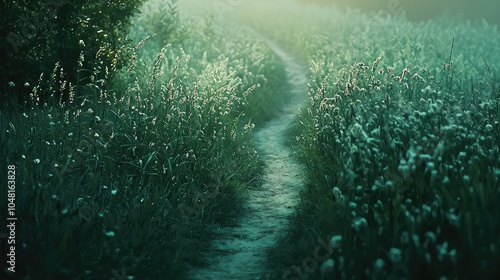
(130, 172)
(128, 175)
(400, 139)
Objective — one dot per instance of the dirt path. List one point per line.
(240, 251)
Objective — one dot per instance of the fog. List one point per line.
(412, 9)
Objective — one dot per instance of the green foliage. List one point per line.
(402, 154)
(36, 34)
(163, 20)
(134, 170)
(249, 58)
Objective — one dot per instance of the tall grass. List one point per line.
(401, 145)
(132, 172)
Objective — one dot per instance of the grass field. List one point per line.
(133, 171)
(400, 139)
(401, 145)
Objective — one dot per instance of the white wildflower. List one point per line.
(466, 180)
(359, 224)
(336, 241)
(327, 267)
(395, 255)
(446, 180)
(339, 197)
(379, 264)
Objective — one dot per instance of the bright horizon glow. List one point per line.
(310, 10)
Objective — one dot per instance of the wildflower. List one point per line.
(430, 165)
(336, 241)
(442, 250)
(466, 180)
(453, 255)
(453, 219)
(110, 233)
(37, 161)
(404, 170)
(359, 224)
(379, 264)
(446, 180)
(327, 266)
(365, 208)
(429, 237)
(11, 83)
(26, 84)
(338, 194)
(395, 255)
(416, 240)
(114, 192)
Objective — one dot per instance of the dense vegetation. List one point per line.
(130, 171)
(130, 129)
(401, 144)
(34, 35)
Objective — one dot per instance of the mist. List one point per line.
(474, 11)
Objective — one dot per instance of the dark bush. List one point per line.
(35, 35)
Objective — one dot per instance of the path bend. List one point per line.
(240, 251)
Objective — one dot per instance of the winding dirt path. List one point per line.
(240, 252)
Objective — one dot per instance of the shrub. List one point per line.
(36, 34)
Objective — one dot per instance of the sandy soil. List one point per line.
(240, 249)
